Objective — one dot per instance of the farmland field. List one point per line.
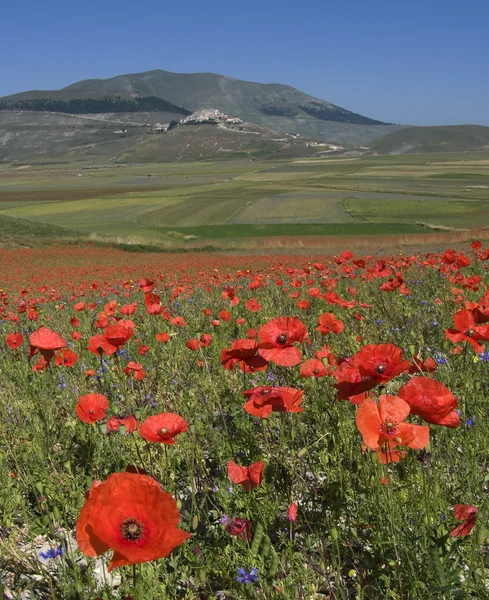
(161, 203)
(212, 426)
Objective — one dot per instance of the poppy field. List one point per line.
(209, 426)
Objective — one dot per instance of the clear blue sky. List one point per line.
(405, 61)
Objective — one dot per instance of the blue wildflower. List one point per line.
(470, 422)
(244, 577)
(379, 321)
(52, 552)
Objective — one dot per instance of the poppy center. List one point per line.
(132, 530)
(281, 339)
(380, 369)
(389, 428)
(163, 431)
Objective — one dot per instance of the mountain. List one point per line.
(449, 138)
(274, 106)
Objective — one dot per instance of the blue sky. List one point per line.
(403, 61)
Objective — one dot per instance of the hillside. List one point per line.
(52, 137)
(274, 106)
(450, 138)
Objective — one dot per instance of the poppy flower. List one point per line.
(382, 427)
(14, 340)
(277, 338)
(135, 369)
(467, 514)
(313, 367)
(303, 304)
(328, 323)
(120, 333)
(431, 400)
(92, 408)
(130, 514)
(47, 342)
(74, 322)
(205, 340)
(99, 345)
(245, 353)
(370, 366)
(253, 305)
(163, 428)
(162, 337)
(262, 401)
(130, 423)
(469, 327)
(418, 366)
(224, 315)
(240, 528)
(65, 358)
(192, 344)
(382, 362)
(248, 477)
(79, 306)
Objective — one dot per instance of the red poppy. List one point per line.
(262, 401)
(120, 333)
(135, 369)
(467, 514)
(382, 362)
(130, 514)
(248, 477)
(162, 337)
(92, 408)
(75, 335)
(65, 358)
(277, 338)
(130, 423)
(74, 322)
(47, 342)
(303, 304)
(469, 328)
(253, 305)
(225, 315)
(244, 353)
(163, 428)
(382, 428)
(313, 367)
(240, 528)
(372, 365)
(14, 340)
(431, 400)
(79, 306)
(99, 345)
(418, 366)
(192, 344)
(328, 323)
(205, 340)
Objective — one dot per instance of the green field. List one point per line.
(160, 203)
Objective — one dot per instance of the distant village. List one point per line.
(205, 116)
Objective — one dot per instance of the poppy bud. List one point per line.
(292, 512)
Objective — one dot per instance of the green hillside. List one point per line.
(450, 138)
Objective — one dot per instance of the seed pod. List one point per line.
(195, 522)
(272, 570)
(257, 537)
(267, 544)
